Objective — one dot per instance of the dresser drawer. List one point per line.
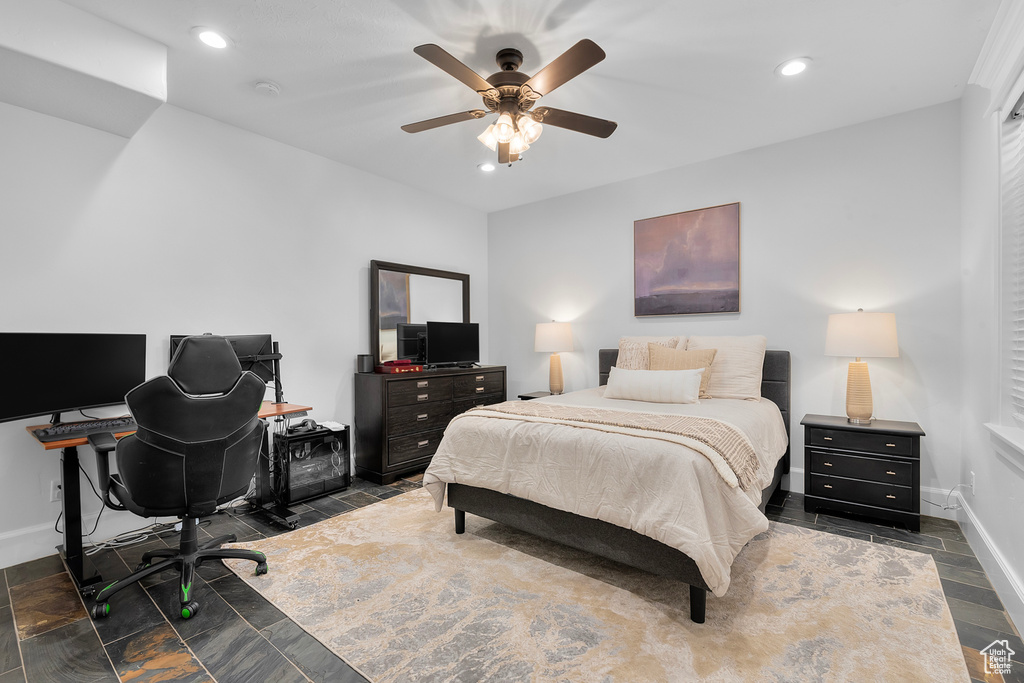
(465, 404)
(860, 441)
(478, 384)
(419, 390)
(419, 418)
(405, 449)
(900, 472)
(863, 492)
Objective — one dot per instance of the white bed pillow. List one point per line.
(654, 386)
(633, 350)
(736, 369)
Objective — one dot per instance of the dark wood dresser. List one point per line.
(872, 469)
(399, 419)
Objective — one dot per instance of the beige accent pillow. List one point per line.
(678, 359)
(736, 369)
(633, 353)
(664, 386)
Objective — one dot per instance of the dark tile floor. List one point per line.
(46, 635)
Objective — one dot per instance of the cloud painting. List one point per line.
(688, 262)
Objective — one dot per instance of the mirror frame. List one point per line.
(377, 266)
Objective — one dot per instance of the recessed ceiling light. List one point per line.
(210, 37)
(486, 167)
(792, 67)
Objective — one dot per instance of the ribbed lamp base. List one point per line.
(555, 376)
(858, 394)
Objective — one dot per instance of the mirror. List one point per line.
(411, 294)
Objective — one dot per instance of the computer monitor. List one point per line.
(50, 373)
(412, 341)
(257, 353)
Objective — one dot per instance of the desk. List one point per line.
(82, 571)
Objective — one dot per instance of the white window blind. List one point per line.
(1013, 262)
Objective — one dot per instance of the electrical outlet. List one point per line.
(54, 490)
(972, 483)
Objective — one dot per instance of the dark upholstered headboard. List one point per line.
(775, 382)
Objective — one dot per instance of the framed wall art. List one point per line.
(687, 262)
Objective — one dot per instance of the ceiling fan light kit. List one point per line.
(512, 95)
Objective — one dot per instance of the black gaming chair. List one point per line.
(196, 447)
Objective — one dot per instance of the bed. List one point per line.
(614, 541)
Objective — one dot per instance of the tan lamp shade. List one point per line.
(554, 338)
(861, 335)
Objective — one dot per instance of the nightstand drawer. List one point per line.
(860, 441)
(897, 472)
(419, 390)
(863, 492)
(410, 419)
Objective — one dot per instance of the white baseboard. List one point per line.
(34, 542)
(1006, 582)
(938, 496)
(796, 480)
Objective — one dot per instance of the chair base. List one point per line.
(188, 556)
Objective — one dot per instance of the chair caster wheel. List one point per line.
(261, 569)
(189, 609)
(99, 610)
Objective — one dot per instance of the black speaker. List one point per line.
(364, 363)
(310, 464)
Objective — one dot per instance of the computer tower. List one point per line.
(310, 464)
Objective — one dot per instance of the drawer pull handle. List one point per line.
(889, 495)
(422, 397)
(421, 417)
(479, 390)
(891, 445)
(423, 444)
(890, 472)
(827, 464)
(422, 384)
(828, 486)
(479, 378)
(827, 438)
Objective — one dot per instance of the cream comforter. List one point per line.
(653, 486)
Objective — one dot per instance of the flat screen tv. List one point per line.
(50, 373)
(453, 343)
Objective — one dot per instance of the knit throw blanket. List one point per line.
(725, 446)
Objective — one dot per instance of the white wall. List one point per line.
(992, 515)
(194, 226)
(865, 216)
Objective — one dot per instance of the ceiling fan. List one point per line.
(512, 95)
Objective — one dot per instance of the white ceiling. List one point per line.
(686, 80)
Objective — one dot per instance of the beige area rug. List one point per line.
(396, 593)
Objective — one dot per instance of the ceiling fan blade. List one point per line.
(503, 156)
(572, 121)
(444, 61)
(444, 120)
(566, 66)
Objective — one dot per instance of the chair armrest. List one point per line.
(104, 444)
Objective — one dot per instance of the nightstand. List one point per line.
(872, 470)
(533, 394)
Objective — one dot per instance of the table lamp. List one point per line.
(554, 338)
(861, 335)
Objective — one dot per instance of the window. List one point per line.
(1012, 252)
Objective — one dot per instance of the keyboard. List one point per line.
(80, 430)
